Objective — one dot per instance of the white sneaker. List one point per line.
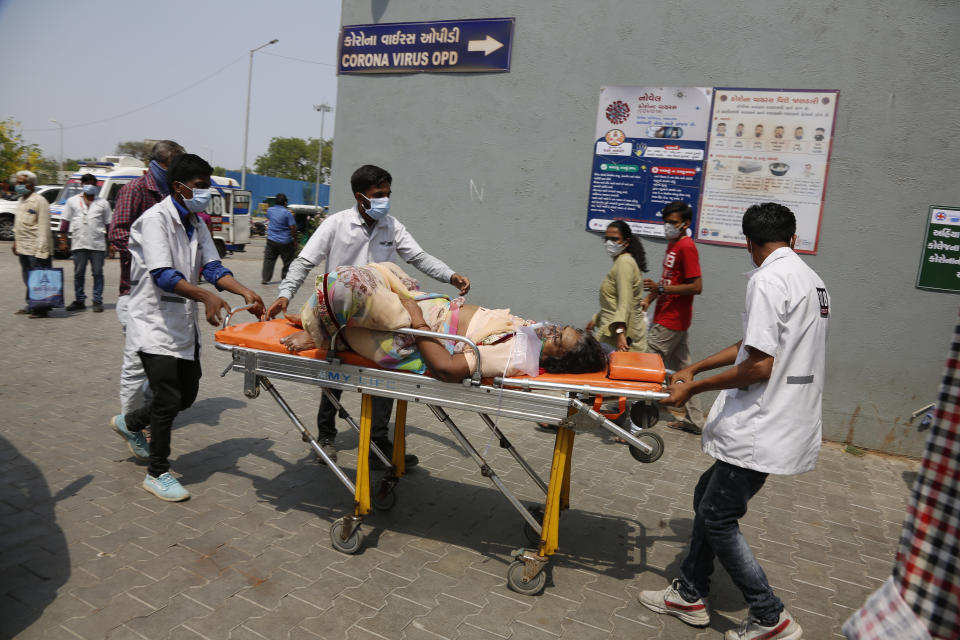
(165, 487)
(670, 601)
(785, 629)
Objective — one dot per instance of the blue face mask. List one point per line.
(90, 189)
(377, 208)
(199, 201)
(21, 189)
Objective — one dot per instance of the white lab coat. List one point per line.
(160, 322)
(775, 426)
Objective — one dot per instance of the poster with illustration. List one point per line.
(766, 145)
(648, 150)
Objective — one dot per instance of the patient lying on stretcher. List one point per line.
(369, 302)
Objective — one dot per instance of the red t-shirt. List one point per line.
(681, 264)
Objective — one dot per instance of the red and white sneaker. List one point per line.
(670, 601)
(785, 629)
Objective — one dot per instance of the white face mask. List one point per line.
(671, 232)
(614, 248)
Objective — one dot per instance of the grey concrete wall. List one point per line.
(524, 140)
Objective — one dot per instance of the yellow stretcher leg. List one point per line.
(558, 491)
(399, 440)
(362, 496)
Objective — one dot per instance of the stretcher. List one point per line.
(571, 402)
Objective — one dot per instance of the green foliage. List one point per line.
(294, 158)
(136, 148)
(219, 171)
(16, 154)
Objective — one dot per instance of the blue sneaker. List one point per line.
(166, 487)
(135, 439)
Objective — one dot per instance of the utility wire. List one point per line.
(277, 55)
(147, 106)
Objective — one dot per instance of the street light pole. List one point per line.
(60, 124)
(246, 127)
(323, 109)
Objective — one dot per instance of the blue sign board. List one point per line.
(442, 46)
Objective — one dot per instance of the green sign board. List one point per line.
(940, 261)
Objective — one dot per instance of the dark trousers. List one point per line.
(80, 259)
(30, 262)
(174, 383)
(719, 501)
(327, 415)
(274, 249)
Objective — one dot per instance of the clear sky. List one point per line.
(80, 62)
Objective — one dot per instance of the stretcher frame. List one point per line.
(517, 398)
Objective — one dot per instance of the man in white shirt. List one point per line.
(765, 420)
(362, 234)
(88, 216)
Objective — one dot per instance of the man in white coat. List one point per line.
(765, 420)
(170, 248)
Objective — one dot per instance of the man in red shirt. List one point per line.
(674, 293)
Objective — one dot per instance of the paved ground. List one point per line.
(85, 552)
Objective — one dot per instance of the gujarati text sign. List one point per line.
(940, 260)
(441, 46)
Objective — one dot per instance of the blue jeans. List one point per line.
(80, 259)
(719, 501)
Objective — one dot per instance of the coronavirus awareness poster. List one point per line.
(648, 151)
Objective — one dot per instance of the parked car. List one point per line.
(9, 207)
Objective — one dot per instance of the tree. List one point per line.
(15, 153)
(294, 158)
(137, 148)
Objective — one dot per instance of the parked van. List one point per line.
(229, 208)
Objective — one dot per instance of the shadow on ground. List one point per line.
(34, 558)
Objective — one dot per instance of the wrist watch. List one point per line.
(660, 289)
(619, 330)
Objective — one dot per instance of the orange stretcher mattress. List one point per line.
(265, 336)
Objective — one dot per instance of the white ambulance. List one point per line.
(229, 208)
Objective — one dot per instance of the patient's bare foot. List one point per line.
(299, 341)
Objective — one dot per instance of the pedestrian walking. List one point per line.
(87, 215)
(169, 248)
(679, 282)
(357, 236)
(620, 323)
(32, 238)
(281, 239)
(133, 199)
(767, 419)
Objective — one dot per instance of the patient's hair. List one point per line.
(368, 176)
(634, 247)
(588, 356)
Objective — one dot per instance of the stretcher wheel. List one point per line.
(384, 499)
(652, 439)
(532, 536)
(528, 588)
(349, 546)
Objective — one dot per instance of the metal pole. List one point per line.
(246, 126)
(323, 109)
(60, 124)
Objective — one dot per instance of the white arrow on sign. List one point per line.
(488, 45)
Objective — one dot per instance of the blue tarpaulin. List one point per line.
(297, 191)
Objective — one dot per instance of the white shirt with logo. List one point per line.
(88, 222)
(775, 426)
(344, 239)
